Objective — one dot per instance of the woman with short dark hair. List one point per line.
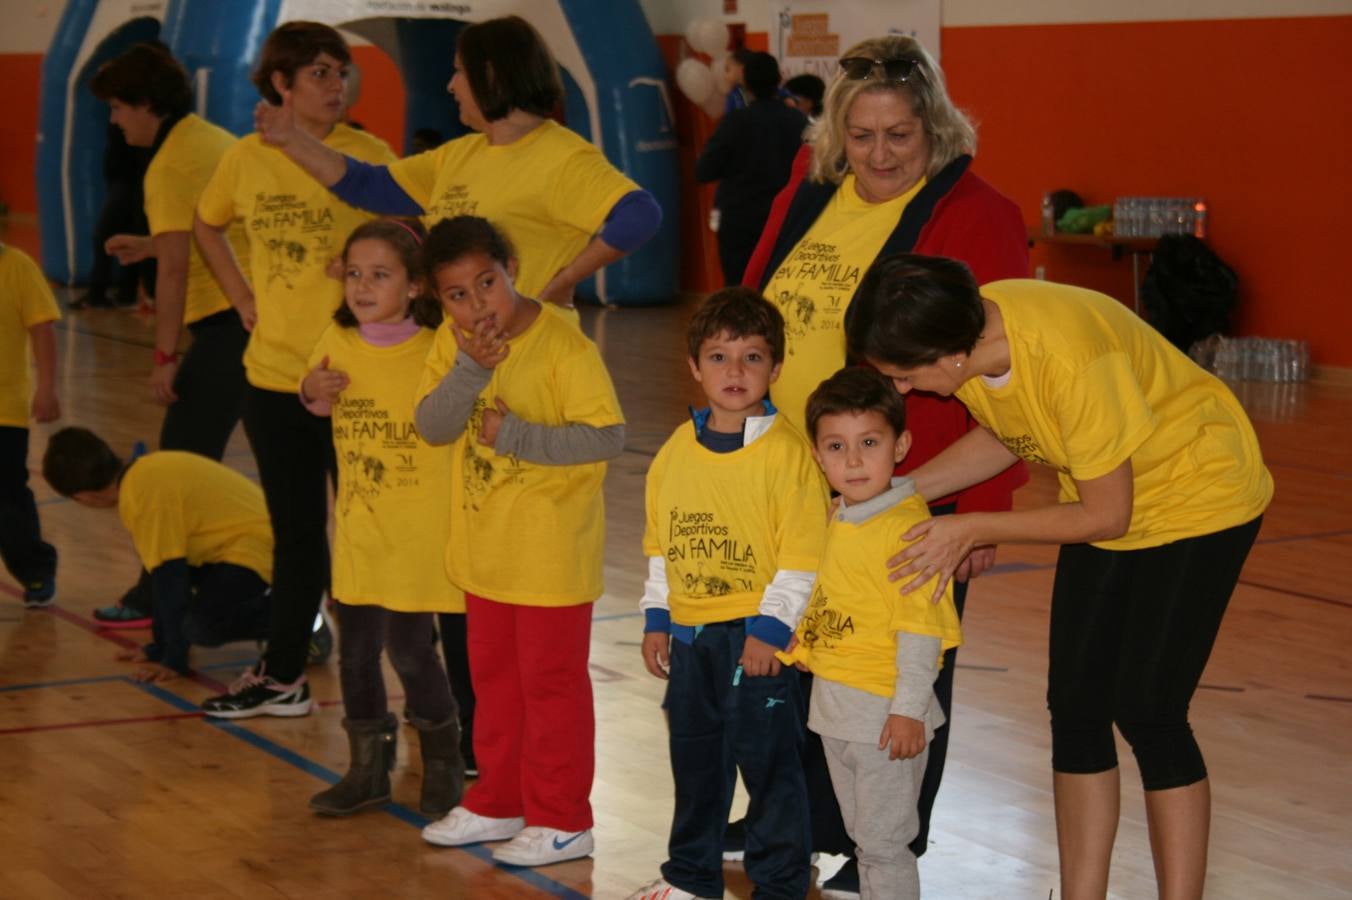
(1163, 489)
(561, 203)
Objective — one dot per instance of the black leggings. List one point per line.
(1131, 631)
(455, 651)
(210, 387)
(294, 449)
(407, 639)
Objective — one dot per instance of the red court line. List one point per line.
(94, 723)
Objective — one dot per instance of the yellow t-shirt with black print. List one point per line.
(726, 522)
(391, 512)
(813, 287)
(26, 300)
(1092, 386)
(522, 532)
(295, 228)
(174, 180)
(180, 505)
(549, 192)
(848, 633)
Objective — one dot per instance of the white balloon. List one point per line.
(708, 36)
(695, 80)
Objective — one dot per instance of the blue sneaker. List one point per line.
(40, 592)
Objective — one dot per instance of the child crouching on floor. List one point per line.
(875, 652)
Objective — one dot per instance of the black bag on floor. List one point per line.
(1188, 292)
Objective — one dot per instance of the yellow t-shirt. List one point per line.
(394, 489)
(25, 300)
(180, 505)
(549, 192)
(849, 632)
(174, 180)
(295, 227)
(814, 286)
(1091, 385)
(726, 522)
(525, 533)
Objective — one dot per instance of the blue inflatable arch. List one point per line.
(617, 96)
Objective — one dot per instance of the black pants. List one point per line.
(1131, 632)
(122, 212)
(210, 387)
(229, 603)
(294, 449)
(27, 556)
(456, 653)
(722, 721)
(407, 638)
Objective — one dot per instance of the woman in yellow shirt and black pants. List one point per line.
(1163, 488)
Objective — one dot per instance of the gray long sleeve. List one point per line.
(917, 667)
(570, 444)
(442, 414)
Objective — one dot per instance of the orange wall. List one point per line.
(21, 74)
(380, 108)
(1251, 114)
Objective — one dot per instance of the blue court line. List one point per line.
(328, 776)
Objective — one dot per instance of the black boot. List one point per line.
(367, 782)
(443, 781)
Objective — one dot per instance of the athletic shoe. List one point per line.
(734, 841)
(257, 694)
(39, 593)
(661, 889)
(539, 846)
(460, 826)
(321, 639)
(844, 885)
(122, 617)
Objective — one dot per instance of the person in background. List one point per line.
(28, 312)
(295, 229)
(890, 169)
(1163, 491)
(734, 79)
(425, 139)
(201, 531)
(750, 154)
(123, 168)
(805, 95)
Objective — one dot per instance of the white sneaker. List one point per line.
(460, 826)
(661, 889)
(538, 846)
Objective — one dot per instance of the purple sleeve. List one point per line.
(373, 188)
(633, 219)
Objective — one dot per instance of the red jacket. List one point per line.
(956, 215)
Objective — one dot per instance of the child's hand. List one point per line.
(46, 406)
(788, 651)
(758, 658)
(324, 383)
(132, 654)
(905, 735)
(485, 345)
(129, 248)
(657, 653)
(492, 421)
(150, 672)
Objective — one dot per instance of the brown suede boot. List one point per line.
(443, 781)
(367, 783)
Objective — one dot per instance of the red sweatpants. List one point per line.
(534, 725)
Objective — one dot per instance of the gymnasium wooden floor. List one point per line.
(113, 789)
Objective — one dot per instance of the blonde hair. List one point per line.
(948, 129)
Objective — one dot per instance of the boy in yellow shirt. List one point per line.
(736, 519)
(201, 530)
(27, 311)
(874, 651)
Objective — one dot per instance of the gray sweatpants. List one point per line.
(877, 799)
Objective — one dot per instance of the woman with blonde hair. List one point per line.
(888, 169)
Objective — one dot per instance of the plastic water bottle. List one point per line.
(1199, 219)
(1048, 214)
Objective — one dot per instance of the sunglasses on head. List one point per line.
(861, 68)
